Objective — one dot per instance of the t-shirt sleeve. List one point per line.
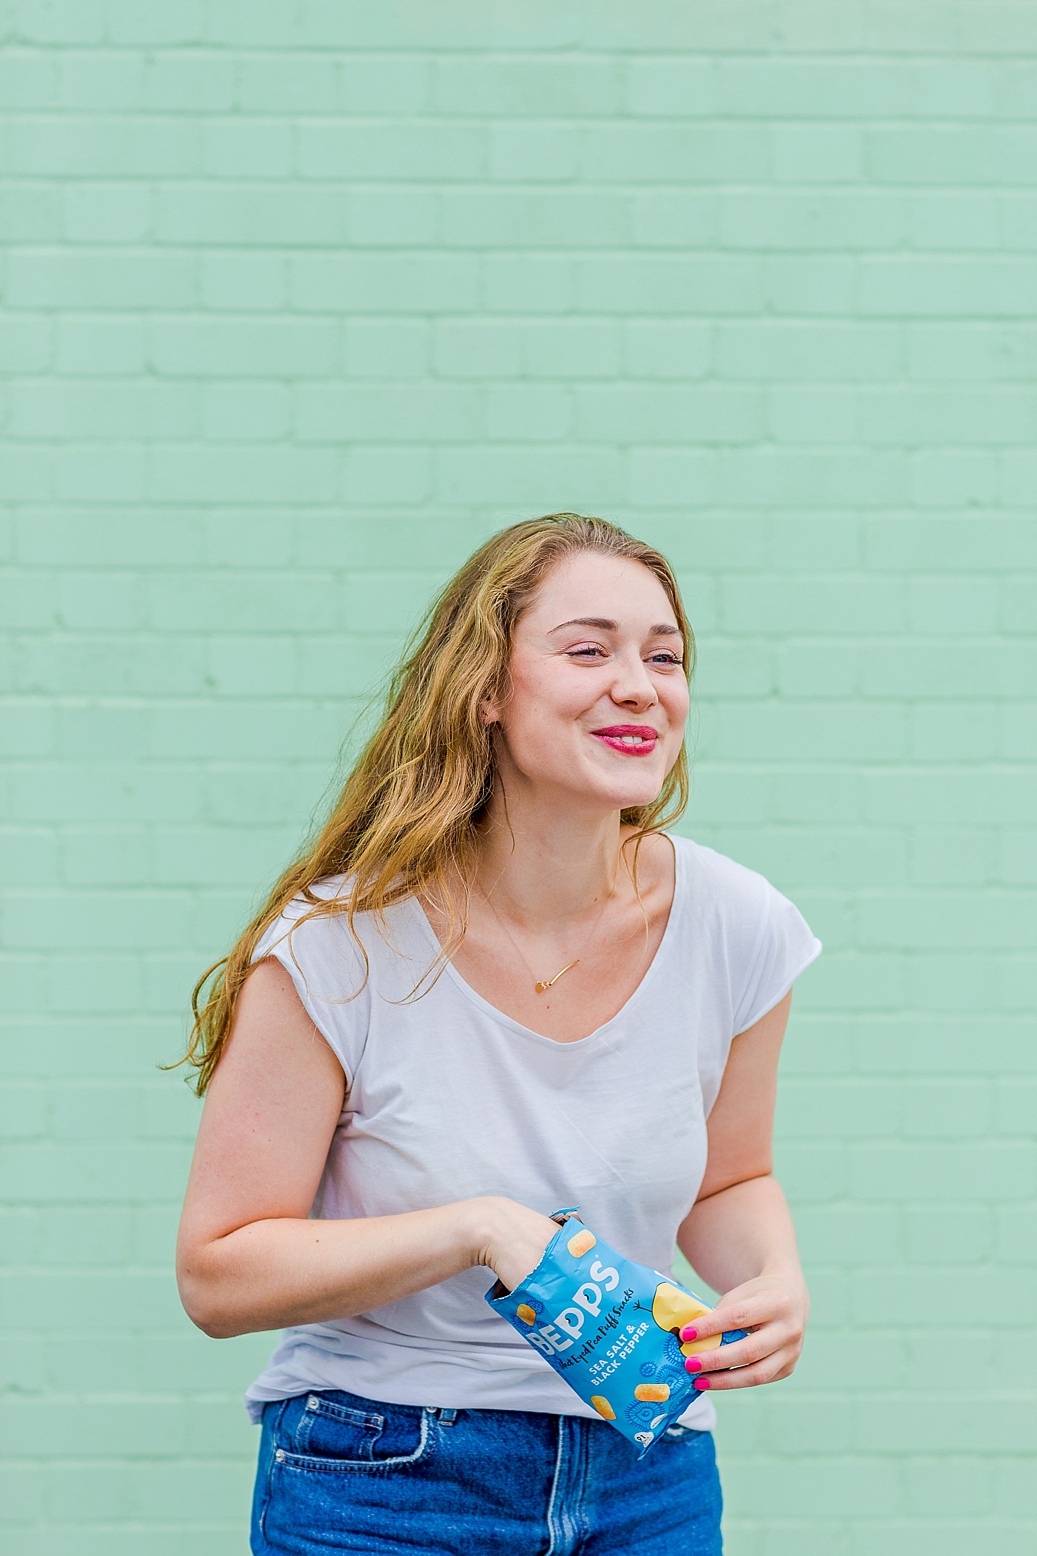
(786, 947)
(327, 967)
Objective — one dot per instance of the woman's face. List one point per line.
(598, 698)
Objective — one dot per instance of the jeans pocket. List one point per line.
(322, 1433)
(328, 1430)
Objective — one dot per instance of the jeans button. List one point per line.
(280, 1455)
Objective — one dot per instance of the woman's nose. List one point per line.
(633, 687)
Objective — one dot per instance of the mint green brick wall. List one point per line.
(298, 302)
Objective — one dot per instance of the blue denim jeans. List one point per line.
(338, 1472)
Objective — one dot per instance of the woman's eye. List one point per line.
(665, 658)
(589, 651)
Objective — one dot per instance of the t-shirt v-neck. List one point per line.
(495, 1013)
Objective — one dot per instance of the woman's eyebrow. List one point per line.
(605, 625)
(589, 621)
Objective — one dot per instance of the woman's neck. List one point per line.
(539, 864)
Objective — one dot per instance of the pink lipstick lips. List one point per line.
(631, 739)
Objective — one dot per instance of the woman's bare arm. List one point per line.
(739, 1234)
(248, 1256)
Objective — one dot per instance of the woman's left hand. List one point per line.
(774, 1308)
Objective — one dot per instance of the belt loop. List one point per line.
(447, 1417)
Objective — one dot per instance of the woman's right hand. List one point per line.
(511, 1239)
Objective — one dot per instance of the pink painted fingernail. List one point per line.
(687, 1333)
(693, 1364)
(702, 1383)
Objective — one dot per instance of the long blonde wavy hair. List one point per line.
(406, 821)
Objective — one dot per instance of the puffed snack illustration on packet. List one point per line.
(611, 1329)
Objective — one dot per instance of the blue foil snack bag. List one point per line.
(611, 1329)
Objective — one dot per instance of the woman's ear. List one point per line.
(489, 712)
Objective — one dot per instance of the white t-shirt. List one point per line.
(448, 1098)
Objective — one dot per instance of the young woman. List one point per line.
(491, 987)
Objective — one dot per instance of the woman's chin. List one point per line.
(616, 796)
(601, 786)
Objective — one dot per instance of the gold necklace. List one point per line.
(542, 985)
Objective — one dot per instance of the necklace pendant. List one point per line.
(541, 988)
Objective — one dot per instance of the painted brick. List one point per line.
(404, 282)
(532, 150)
(832, 1487)
(668, 415)
(30, 79)
(107, 80)
(817, 154)
(26, 343)
(400, 217)
(657, 26)
(972, 732)
(953, 1172)
(546, 218)
(38, 1175)
(517, 283)
(233, 281)
(657, 349)
(951, 669)
(769, 218)
(246, 412)
(831, 87)
(286, 83)
(812, 416)
(32, 213)
(812, 284)
(367, 480)
(151, 23)
(363, 151)
(253, 348)
(74, 147)
(93, 345)
(784, 351)
(954, 856)
(379, 84)
(934, 416)
(82, 409)
(1012, 1100)
(507, 475)
(95, 983)
(527, 413)
(972, 154)
(98, 213)
(116, 474)
(932, 1236)
(386, 348)
(682, 87)
(96, 279)
(539, 86)
(670, 286)
(189, 81)
(250, 213)
(384, 414)
(940, 221)
(962, 543)
(302, 302)
(949, 285)
(675, 218)
(971, 982)
(268, 538)
(242, 473)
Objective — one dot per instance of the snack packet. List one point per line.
(611, 1329)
